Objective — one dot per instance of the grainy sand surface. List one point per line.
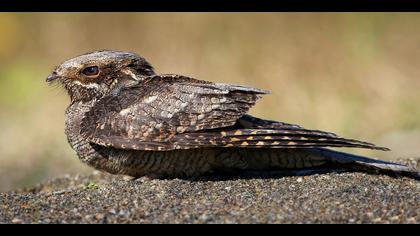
(335, 197)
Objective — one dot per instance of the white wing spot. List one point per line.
(214, 100)
(150, 99)
(124, 112)
(180, 129)
(200, 117)
(164, 113)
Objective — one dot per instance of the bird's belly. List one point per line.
(136, 163)
(190, 162)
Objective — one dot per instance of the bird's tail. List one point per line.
(304, 158)
(360, 162)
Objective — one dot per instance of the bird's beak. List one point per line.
(53, 76)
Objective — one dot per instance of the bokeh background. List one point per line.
(355, 74)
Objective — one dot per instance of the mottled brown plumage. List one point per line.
(125, 119)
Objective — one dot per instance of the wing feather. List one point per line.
(166, 112)
(260, 138)
(162, 106)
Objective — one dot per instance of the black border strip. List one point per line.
(209, 5)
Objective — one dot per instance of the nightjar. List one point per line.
(125, 119)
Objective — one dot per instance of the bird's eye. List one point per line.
(91, 71)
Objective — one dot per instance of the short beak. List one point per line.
(52, 77)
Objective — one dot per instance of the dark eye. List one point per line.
(91, 71)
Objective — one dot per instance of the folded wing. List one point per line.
(149, 115)
(167, 112)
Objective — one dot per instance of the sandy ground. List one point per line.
(335, 197)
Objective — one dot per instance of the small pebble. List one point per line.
(99, 216)
(17, 221)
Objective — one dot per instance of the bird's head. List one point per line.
(98, 73)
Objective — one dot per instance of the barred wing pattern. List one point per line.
(166, 112)
(147, 116)
(275, 135)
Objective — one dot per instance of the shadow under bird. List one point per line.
(125, 119)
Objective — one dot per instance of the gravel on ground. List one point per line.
(334, 197)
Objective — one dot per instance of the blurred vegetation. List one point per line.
(356, 74)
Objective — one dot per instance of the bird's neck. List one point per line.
(74, 116)
(75, 113)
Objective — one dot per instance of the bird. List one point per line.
(125, 119)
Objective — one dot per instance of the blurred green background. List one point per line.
(355, 74)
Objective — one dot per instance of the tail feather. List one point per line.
(360, 162)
